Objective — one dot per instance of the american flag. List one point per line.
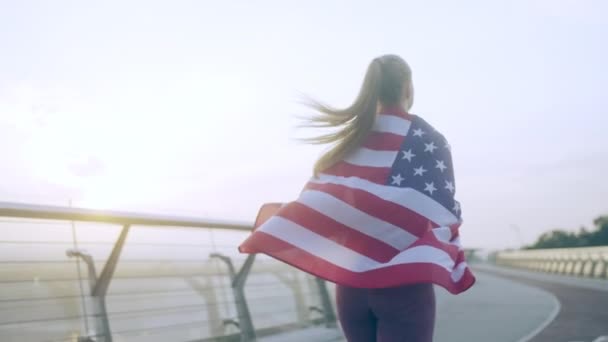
(385, 216)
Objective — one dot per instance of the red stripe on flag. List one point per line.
(341, 234)
(455, 231)
(390, 276)
(460, 258)
(377, 175)
(393, 213)
(383, 141)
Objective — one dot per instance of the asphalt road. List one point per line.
(583, 315)
(494, 310)
(508, 305)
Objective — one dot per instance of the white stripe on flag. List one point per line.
(458, 271)
(346, 258)
(356, 219)
(391, 124)
(444, 234)
(405, 197)
(366, 157)
(457, 243)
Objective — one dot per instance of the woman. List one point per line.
(378, 218)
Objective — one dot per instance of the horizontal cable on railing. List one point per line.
(40, 221)
(21, 242)
(179, 325)
(48, 319)
(159, 276)
(110, 295)
(194, 307)
(162, 276)
(68, 261)
(165, 327)
(69, 339)
(193, 293)
(195, 270)
(139, 261)
(81, 243)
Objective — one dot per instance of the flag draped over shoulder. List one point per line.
(385, 216)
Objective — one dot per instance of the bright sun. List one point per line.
(112, 151)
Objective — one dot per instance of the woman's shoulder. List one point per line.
(422, 127)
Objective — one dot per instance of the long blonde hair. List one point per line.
(387, 82)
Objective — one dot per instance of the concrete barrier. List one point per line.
(589, 262)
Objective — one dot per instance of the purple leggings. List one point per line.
(403, 314)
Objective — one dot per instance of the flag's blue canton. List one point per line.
(424, 163)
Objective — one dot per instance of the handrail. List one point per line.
(99, 283)
(34, 211)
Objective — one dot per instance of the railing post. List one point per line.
(102, 325)
(238, 279)
(99, 286)
(328, 309)
(602, 268)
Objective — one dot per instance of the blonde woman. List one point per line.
(378, 217)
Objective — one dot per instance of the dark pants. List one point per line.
(403, 314)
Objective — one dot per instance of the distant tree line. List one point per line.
(582, 238)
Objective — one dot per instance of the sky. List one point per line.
(190, 107)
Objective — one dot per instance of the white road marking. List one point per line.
(556, 308)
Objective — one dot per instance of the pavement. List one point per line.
(583, 316)
(499, 308)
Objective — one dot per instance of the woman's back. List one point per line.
(384, 216)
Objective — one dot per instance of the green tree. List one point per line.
(582, 238)
(600, 237)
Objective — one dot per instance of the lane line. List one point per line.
(550, 318)
(556, 309)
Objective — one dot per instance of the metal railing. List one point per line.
(583, 261)
(173, 278)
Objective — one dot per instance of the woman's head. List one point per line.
(396, 87)
(387, 83)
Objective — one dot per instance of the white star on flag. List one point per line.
(456, 206)
(408, 155)
(397, 179)
(419, 171)
(441, 165)
(449, 186)
(430, 187)
(418, 132)
(430, 147)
